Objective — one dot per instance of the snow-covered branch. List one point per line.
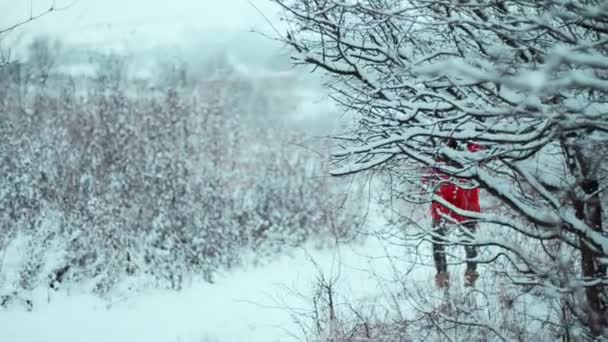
(527, 81)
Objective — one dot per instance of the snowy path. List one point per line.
(202, 312)
(245, 305)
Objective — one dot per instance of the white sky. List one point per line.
(141, 22)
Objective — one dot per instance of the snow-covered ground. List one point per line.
(260, 303)
(250, 304)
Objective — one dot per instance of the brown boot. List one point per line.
(442, 280)
(470, 277)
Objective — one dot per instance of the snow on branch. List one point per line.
(525, 80)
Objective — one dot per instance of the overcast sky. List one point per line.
(139, 22)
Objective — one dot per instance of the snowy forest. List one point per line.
(363, 170)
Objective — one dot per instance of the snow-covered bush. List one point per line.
(165, 183)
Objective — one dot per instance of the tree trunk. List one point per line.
(590, 211)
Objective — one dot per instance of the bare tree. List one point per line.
(5, 56)
(42, 57)
(526, 80)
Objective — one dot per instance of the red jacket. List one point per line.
(466, 199)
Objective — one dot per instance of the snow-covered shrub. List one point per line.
(167, 183)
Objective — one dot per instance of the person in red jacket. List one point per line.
(463, 198)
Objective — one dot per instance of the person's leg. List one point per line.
(471, 252)
(442, 277)
(439, 245)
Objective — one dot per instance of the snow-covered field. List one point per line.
(268, 302)
(238, 307)
(250, 304)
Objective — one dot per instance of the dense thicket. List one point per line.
(105, 176)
